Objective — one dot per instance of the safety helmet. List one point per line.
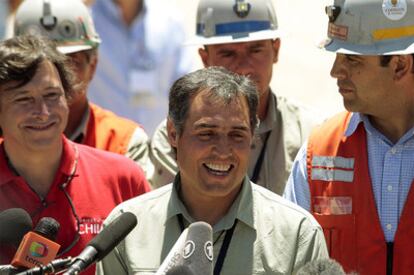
(68, 22)
(371, 27)
(232, 21)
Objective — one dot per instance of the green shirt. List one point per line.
(272, 236)
(288, 126)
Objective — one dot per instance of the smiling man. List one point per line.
(212, 118)
(356, 172)
(43, 172)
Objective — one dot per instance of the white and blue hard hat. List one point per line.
(234, 21)
(370, 27)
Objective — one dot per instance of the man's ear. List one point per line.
(93, 63)
(203, 55)
(402, 65)
(172, 133)
(276, 48)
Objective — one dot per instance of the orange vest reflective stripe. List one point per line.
(107, 131)
(342, 200)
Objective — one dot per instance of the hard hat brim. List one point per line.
(390, 47)
(226, 39)
(67, 49)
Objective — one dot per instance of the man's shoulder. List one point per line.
(95, 156)
(279, 208)
(145, 202)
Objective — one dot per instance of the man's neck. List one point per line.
(207, 209)
(38, 168)
(77, 112)
(263, 104)
(129, 10)
(393, 127)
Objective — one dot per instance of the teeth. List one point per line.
(218, 167)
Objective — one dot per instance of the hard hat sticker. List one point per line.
(337, 31)
(394, 9)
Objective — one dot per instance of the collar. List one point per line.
(271, 118)
(80, 132)
(358, 118)
(242, 208)
(67, 163)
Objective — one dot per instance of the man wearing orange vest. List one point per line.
(69, 24)
(355, 173)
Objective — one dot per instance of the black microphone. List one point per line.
(103, 243)
(321, 267)
(193, 249)
(15, 223)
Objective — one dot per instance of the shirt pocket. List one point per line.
(340, 236)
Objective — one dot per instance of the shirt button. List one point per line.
(389, 188)
(389, 226)
(393, 150)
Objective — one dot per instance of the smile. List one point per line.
(218, 169)
(40, 127)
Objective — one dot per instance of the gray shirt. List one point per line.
(272, 236)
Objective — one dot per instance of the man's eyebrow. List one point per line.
(205, 125)
(214, 126)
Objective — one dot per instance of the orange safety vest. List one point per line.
(107, 131)
(342, 201)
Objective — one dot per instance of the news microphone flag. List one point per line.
(38, 246)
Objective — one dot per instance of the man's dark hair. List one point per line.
(220, 84)
(385, 60)
(20, 57)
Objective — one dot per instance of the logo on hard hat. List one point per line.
(394, 9)
(241, 8)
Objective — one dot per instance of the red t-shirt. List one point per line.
(101, 180)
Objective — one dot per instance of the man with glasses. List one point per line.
(43, 172)
(69, 24)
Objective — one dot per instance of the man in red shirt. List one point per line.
(70, 25)
(43, 172)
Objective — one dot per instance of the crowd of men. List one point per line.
(281, 188)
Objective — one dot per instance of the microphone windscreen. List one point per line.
(113, 234)
(321, 267)
(15, 223)
(180, 270)
(198, 249)
(47, 227)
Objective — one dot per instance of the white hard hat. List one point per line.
(233, 21)
(371, 27)
(68, 22)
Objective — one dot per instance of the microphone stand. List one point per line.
(53, 267)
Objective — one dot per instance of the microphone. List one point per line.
(321, 267)
(38, 246)
(193, 249)
(103, 243)
(15, 223)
